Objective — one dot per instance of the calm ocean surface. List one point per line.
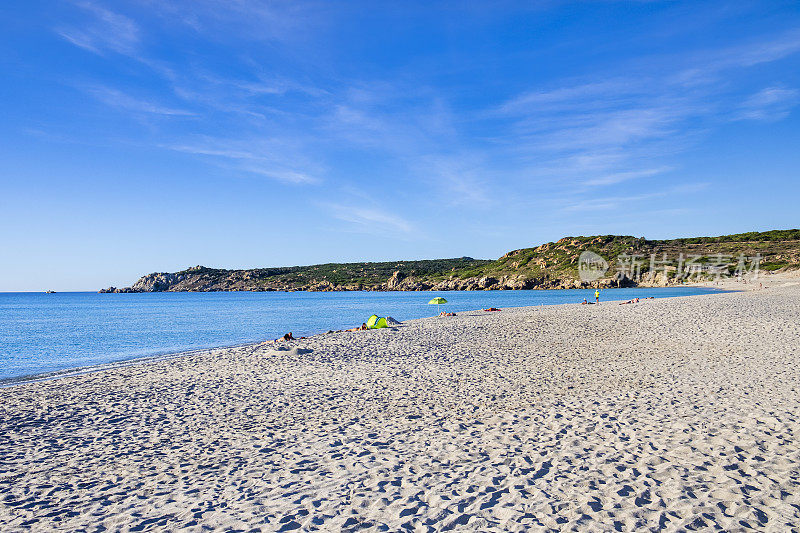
(43, 333)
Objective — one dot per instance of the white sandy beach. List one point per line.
(674, 414)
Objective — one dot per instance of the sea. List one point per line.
(46, 335)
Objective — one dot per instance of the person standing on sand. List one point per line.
(597, 296)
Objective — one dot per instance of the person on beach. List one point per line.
(597, 296)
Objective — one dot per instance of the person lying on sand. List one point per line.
(446, 314)
(362, 327)
(492, 309)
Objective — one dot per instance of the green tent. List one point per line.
(374, 322)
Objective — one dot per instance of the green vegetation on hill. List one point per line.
(752, 236)
(776, 249)
(554, 264)
(354, 274)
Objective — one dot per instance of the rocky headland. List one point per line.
(628, 261)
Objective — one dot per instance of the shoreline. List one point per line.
(665, 413)
(103, 367)
(154, 358)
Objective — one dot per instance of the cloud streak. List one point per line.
(105, 31)
(271, 158)
(120, 100)
(371, 220)
(624, 201)
(770, 104)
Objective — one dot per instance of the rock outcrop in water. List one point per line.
(632, 261)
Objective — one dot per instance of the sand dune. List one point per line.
(679, 414)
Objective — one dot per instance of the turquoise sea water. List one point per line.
(43, 333)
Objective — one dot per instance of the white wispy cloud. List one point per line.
(630, 201)
(764, 51)
(770, 104)
(707, 67)
(272, 158)
(570, 97)
(118, 99)
(288, 176)
(371, 220)
(420, 130)
(253, 83)
(104, 31)
(596, 138)
(253, 20)
(461, 178)
(619, 177)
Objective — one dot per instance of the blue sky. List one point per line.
(149, 135)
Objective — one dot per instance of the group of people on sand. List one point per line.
(636, 300)
(597, 299)
(289, 337)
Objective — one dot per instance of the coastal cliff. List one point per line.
(630, 261)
